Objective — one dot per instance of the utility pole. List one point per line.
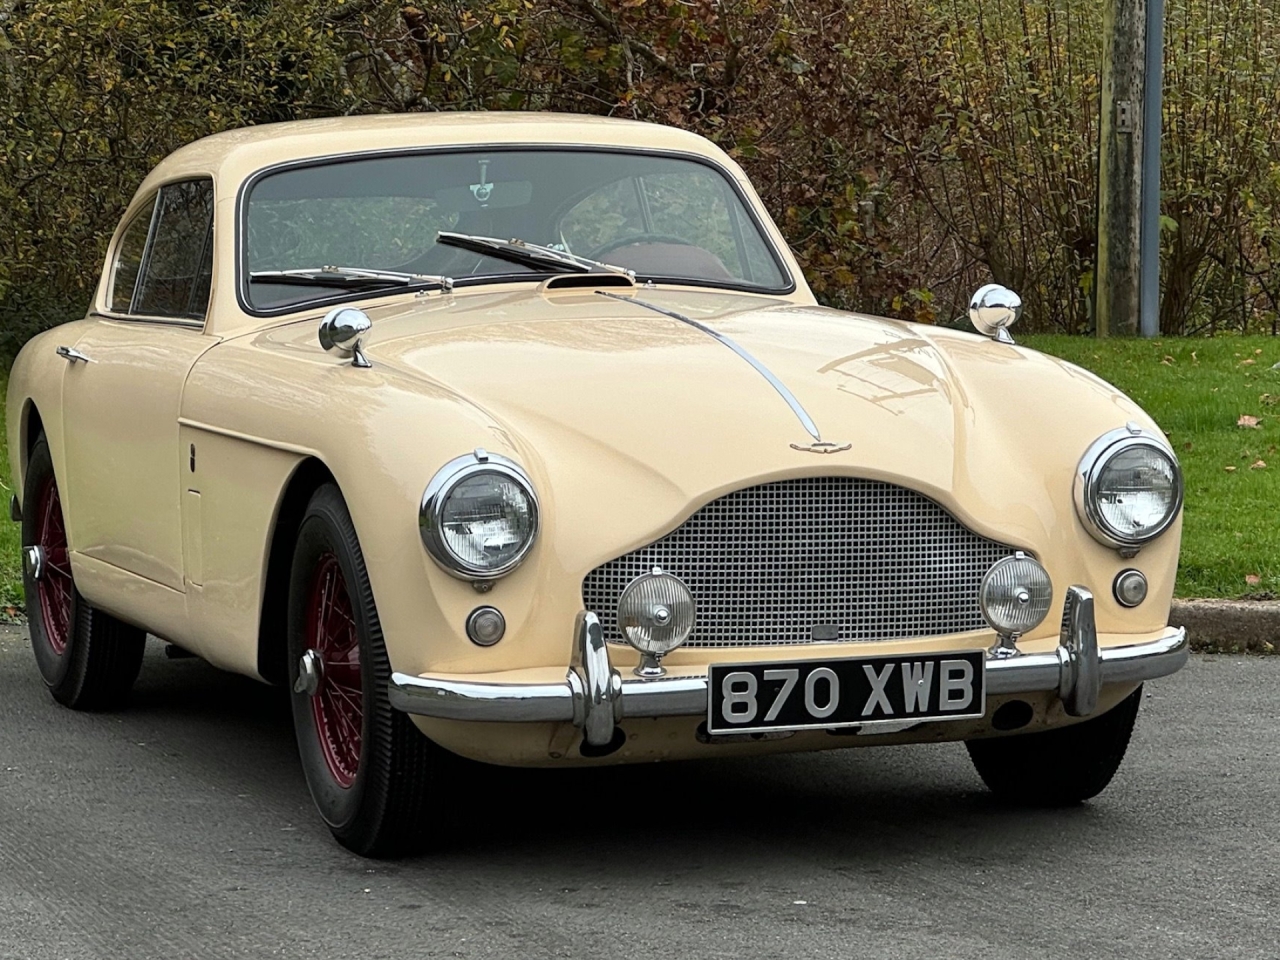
(1118, 276)
(1152, 119)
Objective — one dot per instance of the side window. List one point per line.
(129, 259)
(178, 263)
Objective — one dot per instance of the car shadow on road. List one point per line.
(846, 805)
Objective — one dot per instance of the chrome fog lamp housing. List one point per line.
(655, 615)
(479, 516)
(1015, 596)
(1128, 488)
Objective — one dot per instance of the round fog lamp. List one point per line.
(655, 615)
(1015, 595)
(1130, 588)
(486, 625)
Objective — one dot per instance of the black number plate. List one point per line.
(822, 694)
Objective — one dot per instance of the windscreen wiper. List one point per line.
(529, 254)
(348, 278)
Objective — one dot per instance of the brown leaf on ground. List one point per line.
(1252, 579)
(1229, 469)
(1245, 363)
(1258, 465)
(1247, 421)
(1167, 361)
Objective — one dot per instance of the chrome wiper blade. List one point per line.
(529, 254)
(330, 276)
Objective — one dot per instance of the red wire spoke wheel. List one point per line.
(87, 658)
(338, 703)
(55, 586)
(367, 767)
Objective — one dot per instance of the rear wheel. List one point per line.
(367, 766)
(1058, 767)
(88, 659)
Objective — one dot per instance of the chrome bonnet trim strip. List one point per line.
(801, 414)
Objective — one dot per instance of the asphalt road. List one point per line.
(183, 829)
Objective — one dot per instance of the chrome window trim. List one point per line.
(1084, 486)
(437, 492)
(189, 324)
(113, 264)
(246, 186)
(109, 312)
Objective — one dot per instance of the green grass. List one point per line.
(10, 533)
(1197, 390)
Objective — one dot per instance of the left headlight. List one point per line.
(1128, 488)
(479, 516)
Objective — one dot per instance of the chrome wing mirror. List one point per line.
(341, 331)
(993, 310)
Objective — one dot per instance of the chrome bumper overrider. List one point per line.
(596, 697)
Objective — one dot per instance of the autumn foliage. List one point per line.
(910, 149)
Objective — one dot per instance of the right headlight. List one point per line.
(479, 516)
(1128, 488)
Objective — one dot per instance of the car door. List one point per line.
(122, 390)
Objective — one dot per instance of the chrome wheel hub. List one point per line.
(310, 670)
(33, 562)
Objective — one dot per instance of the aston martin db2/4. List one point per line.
(522, 437)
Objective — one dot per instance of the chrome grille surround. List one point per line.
(818, 559)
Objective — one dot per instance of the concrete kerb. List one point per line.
(1229, 626)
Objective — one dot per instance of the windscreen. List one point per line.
(667, 218)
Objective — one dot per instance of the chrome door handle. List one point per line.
(72, 354)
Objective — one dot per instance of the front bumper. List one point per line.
(595, 697)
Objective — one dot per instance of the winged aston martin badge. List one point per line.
(822, 446)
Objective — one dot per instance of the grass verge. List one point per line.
(10, 533)
(1198, 390)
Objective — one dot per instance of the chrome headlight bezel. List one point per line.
(437, 494)
(1087, 478)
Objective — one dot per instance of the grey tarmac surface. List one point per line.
(182, 829)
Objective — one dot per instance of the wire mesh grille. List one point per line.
(815, 559)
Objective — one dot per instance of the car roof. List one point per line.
(236, 154)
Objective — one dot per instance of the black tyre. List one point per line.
(89, 659)
(1058, 767)
(367, 766)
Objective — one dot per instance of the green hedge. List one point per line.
(910, 150)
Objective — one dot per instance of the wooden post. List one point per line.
(1118, 278)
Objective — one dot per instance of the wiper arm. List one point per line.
(349, 277)
(529, 254)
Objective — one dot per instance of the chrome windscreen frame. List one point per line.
(479, 461)
(1085, 486)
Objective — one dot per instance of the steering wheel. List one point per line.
(613, 245)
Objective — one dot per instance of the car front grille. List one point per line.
(810, 560)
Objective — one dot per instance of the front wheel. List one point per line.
(367, 766)
(1058, 767)
(88, 659)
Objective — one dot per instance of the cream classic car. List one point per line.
(521, 437)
